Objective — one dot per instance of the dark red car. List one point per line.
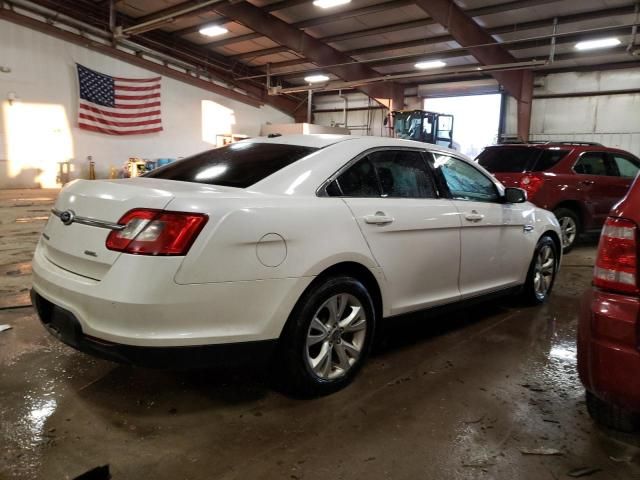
(579, 182)
(609, 326)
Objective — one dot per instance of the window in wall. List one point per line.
(38, 137)
(217, 121)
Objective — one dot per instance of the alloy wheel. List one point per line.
(544, 271)
(569, 231)
(336, 336)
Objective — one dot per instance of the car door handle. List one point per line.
(474, 216)
(378, 219)
(587, 182)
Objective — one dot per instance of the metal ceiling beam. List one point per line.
(511, 45)
(475, 12)
(131, 58)
(313, 22)
(505, 28)
(168, 15)
(273, 7)
(548, 68)
(285, 34)
(206, 61)
(447, 53)
(188, 8)
(196, 7)
(467, 32)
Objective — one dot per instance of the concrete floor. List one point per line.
(455, 397)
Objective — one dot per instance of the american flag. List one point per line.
(118, 106)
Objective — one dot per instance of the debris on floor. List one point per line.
(5, 327)
(540, 451)
(583, 472)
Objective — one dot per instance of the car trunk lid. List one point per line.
(75, 235)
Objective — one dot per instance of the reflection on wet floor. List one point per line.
(457, 396)
(32, 219)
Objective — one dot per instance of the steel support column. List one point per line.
(524, 106)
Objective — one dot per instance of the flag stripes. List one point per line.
(118, 106)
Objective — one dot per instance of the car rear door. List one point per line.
(413, 233)
(595, 185)
(623, 169)
(494, 250)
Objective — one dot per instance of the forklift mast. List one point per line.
(423, 126)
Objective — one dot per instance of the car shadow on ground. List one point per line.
(149, 392)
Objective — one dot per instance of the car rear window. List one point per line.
(237, 165)
(519, 159)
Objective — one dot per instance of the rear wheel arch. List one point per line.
(574, 206)
(295, 356)
(359, 272)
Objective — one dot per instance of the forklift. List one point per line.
(423, 126)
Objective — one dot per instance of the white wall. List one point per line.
(613, 120)
(43, 73)
(371, 119)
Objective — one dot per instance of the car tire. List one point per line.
(542, 272)
(570, 225)
(611, 416)
(318, 336)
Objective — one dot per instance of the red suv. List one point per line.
(609, 325)
(579, 182)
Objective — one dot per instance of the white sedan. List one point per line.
(291, 247)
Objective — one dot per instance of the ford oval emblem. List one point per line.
(67, 217)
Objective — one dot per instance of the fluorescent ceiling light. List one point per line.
(316, 79)
(430, 64)
(213, 31)
(600, 43)
(329, 3)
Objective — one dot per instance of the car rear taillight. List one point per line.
(156, 232)
(531, 183)
(617, 262)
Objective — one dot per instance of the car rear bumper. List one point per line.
(138, 304)
(608, 356)
(63, 325)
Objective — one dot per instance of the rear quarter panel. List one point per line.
(301, 236)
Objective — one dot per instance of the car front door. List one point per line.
(494, 250)
(413, 233)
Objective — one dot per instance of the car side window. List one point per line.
(592, 163)
(627, 167)
(359, 180)
(403, 174)
(465, 182)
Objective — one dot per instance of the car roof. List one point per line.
(313, 141)
(325, 140)
(577, 145)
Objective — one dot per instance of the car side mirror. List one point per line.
(515, 195)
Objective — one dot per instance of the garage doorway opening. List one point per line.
(476, 120)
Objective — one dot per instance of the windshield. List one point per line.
(237, 165)
(519, 159)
